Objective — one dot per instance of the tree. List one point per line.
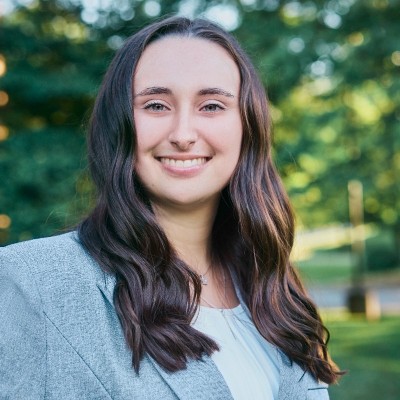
(333, 72)
(331, 68)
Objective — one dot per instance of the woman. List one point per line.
(178, 284)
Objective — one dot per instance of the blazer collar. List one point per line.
(294, 381)
(106, 283)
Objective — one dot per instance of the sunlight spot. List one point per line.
(225, 15)
(152, 8)
(5, 221)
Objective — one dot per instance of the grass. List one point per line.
(333, 267)
(370, 351)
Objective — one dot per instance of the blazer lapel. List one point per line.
(199, 381)
(295, 382)
(106, 284)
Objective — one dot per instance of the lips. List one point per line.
(187, 163)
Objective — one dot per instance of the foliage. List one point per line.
(332, 69)
(380, 252)
(40, 192)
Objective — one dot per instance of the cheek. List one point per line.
(229, 139)
(140, 133)
(149, 132)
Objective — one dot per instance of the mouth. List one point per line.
(188, 163)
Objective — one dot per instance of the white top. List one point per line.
(248, 363)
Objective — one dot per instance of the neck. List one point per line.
(189, 233)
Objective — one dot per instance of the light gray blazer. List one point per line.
(60, 337)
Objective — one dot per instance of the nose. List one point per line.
(183, 133)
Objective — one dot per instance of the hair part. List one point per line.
(252, 235)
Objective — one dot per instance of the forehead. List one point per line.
(181, 61)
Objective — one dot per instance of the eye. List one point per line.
(155, 106)
(212, 107)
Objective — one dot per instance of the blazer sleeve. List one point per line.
(22, 331)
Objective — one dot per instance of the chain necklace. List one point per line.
(203, 278)
(221, 310)
(224, 295)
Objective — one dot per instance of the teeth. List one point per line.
(183, 163)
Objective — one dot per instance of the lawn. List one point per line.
(336, 266)
(333, 267)
(370, 351)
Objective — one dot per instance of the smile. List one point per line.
(194, 162)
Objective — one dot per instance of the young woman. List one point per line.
(178, 284)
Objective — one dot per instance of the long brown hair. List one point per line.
(252, 234)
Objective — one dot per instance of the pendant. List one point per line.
(203, 279)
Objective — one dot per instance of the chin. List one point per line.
(190, 201)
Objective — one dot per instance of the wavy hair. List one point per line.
(157, 294)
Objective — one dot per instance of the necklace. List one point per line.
(224, 295)
(221, 310)
(203, 278)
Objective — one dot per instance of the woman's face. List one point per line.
(187, 121)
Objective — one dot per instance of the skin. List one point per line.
(189, 133)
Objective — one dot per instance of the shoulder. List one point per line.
(39, 250)
(51, 310)
(49, 262)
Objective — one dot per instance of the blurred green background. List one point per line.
(332, 69)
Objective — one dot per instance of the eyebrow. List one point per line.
(163, 90)
(222, 92)
(154, 90)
